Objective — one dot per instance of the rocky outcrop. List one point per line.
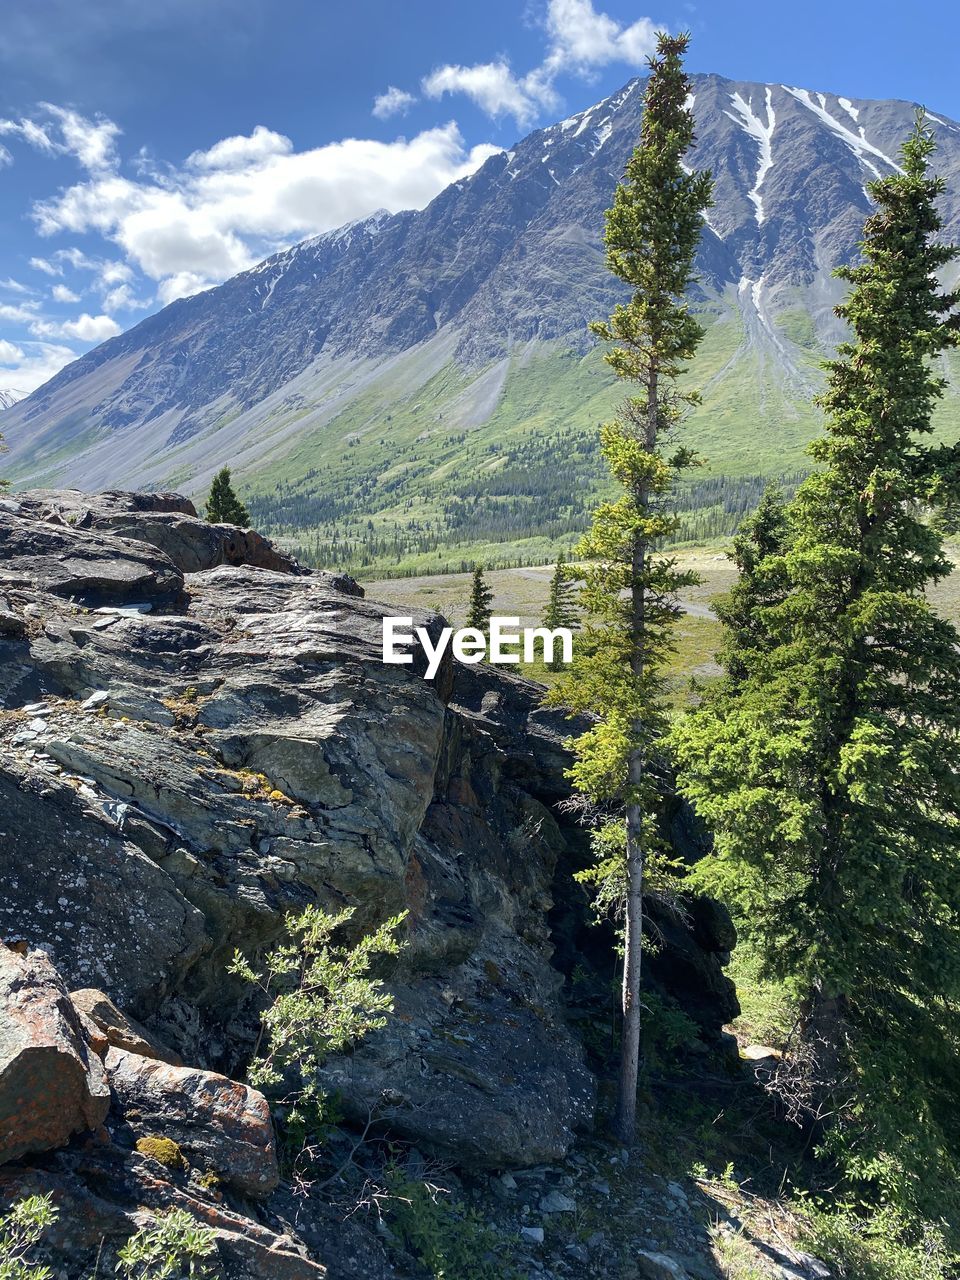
(165, 521)
(186, 756)
(52, 1085)
(241, 750)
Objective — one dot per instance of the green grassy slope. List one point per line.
(503, 467)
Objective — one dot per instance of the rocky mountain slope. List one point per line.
(9, 397)
(434, 366)
(196, 737)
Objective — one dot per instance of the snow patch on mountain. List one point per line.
(857, 143)
(946, 123)
(852, 111)
(763, 134)
(600, 136)
(9, 397)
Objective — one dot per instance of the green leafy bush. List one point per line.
(20, 1231)
(323, 999)
(879, 1247)
(172, 1248)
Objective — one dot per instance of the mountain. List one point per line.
(421, 385)
(9, 397)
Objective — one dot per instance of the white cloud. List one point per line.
(184, 284)
(46, 266)
(5, 156)
(242, 198)
(61, 293)
(20, 314)
(35, 134)
(122, 298)
(85, 328)
(93, 142)
(14, 286)
(394, 102)
(30, 366)
(68, 133)
(491, 85)
(580, 41)
(242, 152)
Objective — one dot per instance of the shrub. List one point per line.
(323, 999)
(171, 1248)
(20, 1231)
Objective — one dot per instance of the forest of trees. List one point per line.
(503, 509)
(825, 763)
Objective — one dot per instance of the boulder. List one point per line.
(222, 1125)
(119, 1030)
(72, 883)
(52, 1085)
(658, 1266)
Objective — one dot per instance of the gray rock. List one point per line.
(658, 1266)
(557, 1202)
(534, 1235)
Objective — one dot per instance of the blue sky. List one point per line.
(151, 148)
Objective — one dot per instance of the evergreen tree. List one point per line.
(629, 591)
(561, 611)
(830, 770)
(481, 598)
(758, 552)
(223, 505)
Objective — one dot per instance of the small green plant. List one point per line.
(171, 1248)
(20, 1231)
(880, 1245)
(323, 999)
(452, 1242)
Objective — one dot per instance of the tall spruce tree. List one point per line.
(629, 591)
(830, 769)
(561, 611)
(223, 505)
(758, 553)
(479, 608)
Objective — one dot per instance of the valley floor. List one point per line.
(523, 592)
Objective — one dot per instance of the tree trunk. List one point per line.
(626, 1115)
(625, 1119)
